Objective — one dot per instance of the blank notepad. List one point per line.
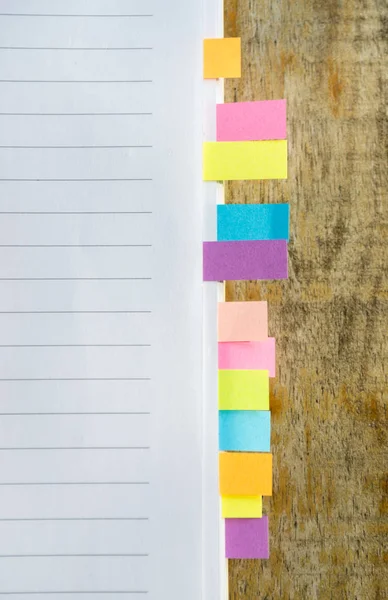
(97, 399)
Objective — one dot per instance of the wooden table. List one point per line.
(328, 514)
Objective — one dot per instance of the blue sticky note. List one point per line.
(245, 430)
(237, 222)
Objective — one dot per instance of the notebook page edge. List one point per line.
(215, 567)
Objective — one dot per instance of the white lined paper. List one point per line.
(116, 97)
(82, 329)
(56, 132)
(100, 299)
(75, 396)
(71, 296)
(75, 311)
(76, 230)
(87, 537)
(88, 465)
(76, 574)
(96, 164)
(74, 431)
(74, 502)
(76, 263)
(76, 197)
(83, 66)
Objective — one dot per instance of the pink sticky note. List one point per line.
(242, 321)
(248, 355)
(247, 538)
(251, 121)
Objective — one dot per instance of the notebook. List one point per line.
(108, 350)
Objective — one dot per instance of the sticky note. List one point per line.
(241, 507)
(247, 538)
(245, 474)
(244, 430)
(245, 160)
(242, 261)
(248, 355)
(249, 121)
(242, 321)
(221, 58)
(243, 390)
(253, 222)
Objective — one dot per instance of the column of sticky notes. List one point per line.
(252, 239)
(252, 243)
(246, 360)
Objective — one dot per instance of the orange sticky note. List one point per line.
(245, 474)
(242, 321)
(221, 58)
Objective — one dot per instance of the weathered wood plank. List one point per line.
(328, 514)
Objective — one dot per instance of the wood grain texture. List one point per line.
(328, 514)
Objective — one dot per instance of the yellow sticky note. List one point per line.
(221, 58)
(245, 160)
(243, 389)
(242, 507)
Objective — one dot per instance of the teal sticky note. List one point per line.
(245, 430)
(238, 222)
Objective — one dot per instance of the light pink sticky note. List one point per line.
(242, 321)
(251, 121)
(248, 355)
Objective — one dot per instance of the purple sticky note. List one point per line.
(247, 538)
(251, 121)
(244, 260)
